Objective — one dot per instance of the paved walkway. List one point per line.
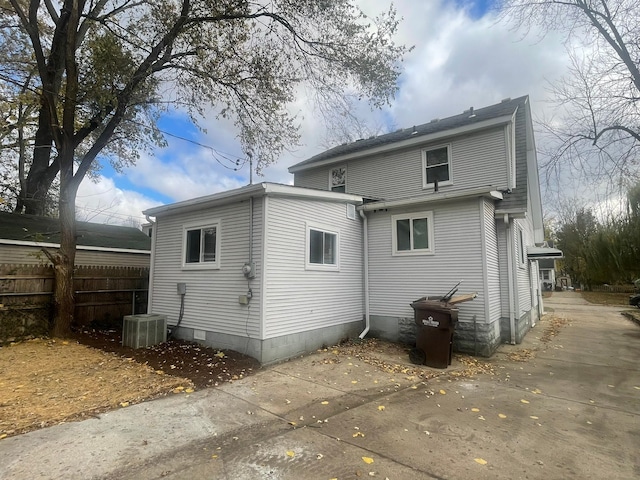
(571, 411)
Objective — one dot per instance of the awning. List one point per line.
(537, 253)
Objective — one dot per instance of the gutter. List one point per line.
(510, 277)
(365, 239)
(489, 192)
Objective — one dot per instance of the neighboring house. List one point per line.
(367, 228)
(547, 267)
(22, 238)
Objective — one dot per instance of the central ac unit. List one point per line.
(144, 330)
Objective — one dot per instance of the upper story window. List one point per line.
(436, 166)
(202, 246)
(322, 249)
(338, 179)
(413, 233)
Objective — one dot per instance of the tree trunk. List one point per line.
(64, 304)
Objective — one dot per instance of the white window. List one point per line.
(201, 246)
(436, 166)
(338, 179)
(322, 249)
(413, 234)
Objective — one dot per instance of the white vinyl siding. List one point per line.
(492, 261)
(523, 274)
(396, 281)
(476, 160)
(211, 301)
(298, 299)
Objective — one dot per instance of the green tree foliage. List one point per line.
(100, 73)
(601, 252)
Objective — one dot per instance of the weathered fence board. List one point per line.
(103, 296)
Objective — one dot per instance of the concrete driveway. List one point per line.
(571, 409)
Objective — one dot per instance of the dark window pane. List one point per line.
(420, 237)
(315, 246)
(403, 239)
(339, 189)
(440, 173)
(437, 157)
(209, 251)
(193, 246)
(329, 249)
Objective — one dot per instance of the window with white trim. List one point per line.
(338, 179)
(201, 246)
(413, 233)
(322, 249)
(436, 166)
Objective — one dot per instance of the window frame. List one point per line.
(424, 152)
(201, 265)
(344, 185)
(307, 254)
(411, 217)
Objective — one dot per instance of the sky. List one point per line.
(462, 57)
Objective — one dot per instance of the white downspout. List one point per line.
(152, 258)
(365, 239)
(510, 277)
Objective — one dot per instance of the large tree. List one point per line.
(106, 69)
(596, 132)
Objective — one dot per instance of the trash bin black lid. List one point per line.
(435, 305)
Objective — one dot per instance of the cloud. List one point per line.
(459, 60)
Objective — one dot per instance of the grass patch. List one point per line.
(606, 298)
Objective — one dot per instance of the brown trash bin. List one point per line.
(436, 323)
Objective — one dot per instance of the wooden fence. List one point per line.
(103, 296)
(613, 288)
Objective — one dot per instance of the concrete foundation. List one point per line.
(273, 350)
(523, 325)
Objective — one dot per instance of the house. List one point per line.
(22, 238)
(368, 227)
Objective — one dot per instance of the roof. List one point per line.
(466, 119)
(535, 253)
(33, 228)
(252, 190)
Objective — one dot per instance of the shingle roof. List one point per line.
(33, 228)
(506, 107)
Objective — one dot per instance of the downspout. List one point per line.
(365, 239)
(152, 257)
(510, 277)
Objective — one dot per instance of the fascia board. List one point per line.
(432, 198)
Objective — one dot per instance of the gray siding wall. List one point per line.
(298, 299)
(478, 159)
(396, 281)
(525, 302)
(26, 255)
(492, 261)
(211, 301)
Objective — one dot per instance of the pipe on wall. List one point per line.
(365, 239)
(510, 276)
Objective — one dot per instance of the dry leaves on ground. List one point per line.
(45, 382)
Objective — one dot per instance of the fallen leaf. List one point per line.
(381, 407)
(524, 401)
(367, 460)
(536, 391)
(502, 415)
(475, 409)
(480, 417)
(354, 381)
(4, 435)
(291, 453)
(293, 423)
(325, 403)
(534, 417)
(214, 456)
(589, 423)
(124, 404)
(481, 461)
(319, 456)
(189, 390)
(358, 434)
(442, 392)
(637, 388)
(219, 355)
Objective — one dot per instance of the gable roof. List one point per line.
(469, 118)
(33, 228)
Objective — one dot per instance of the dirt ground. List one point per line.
(48, 381)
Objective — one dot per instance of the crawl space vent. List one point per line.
(144, 330)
